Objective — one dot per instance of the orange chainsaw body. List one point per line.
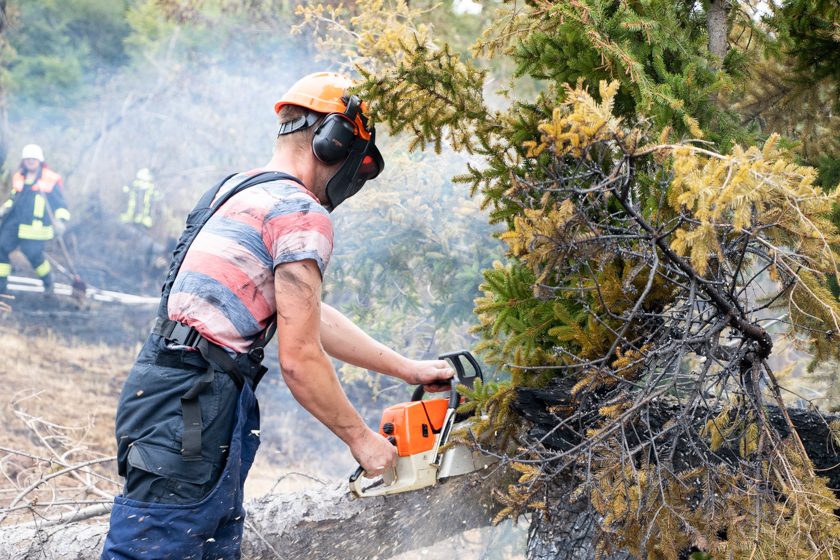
(421, 431)
(414, 424)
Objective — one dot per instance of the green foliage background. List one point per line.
(186, 88)
(536, 317)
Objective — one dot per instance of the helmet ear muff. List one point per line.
(334, 138)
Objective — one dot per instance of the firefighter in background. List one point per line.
(141, 196)
(34, 214)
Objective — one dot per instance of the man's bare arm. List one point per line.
(307, 369)
(345, 341)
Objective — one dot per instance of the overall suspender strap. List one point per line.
(191, 414)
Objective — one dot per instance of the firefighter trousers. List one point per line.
(32, 249)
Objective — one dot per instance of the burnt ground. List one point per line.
(71, 321)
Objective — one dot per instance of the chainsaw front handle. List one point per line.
(454, 399)
(460, 370)
(460, 378)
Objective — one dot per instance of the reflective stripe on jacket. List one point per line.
(141, 195)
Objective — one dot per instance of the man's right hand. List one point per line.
(374, 453)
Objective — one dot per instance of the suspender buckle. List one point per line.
(257, 354)
(184, 335)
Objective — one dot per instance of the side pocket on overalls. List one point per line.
(212, 527)
(160, 475)
(161, 516)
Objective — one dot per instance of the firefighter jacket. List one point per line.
(142, 195)
(33, 203)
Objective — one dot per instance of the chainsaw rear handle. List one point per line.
(460, 377)
(361, 470)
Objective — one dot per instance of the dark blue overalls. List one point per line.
(187, 432)
(208, 529)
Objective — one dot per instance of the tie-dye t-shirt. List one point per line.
(225, 288)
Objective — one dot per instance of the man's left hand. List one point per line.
(433, 375)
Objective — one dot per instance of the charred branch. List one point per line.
(682, 444)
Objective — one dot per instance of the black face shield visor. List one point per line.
(362, 164)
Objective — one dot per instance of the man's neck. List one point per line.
(292, 162)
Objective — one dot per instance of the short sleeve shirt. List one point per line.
(225, 288)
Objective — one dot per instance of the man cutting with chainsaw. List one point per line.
(250, 260)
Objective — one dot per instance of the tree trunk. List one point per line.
(568, 532)
(717, 27)
(326, 524)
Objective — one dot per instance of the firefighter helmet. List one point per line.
(32, 151)
(144, 174)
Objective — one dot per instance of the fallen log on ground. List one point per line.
(325, 523)
(328, 523)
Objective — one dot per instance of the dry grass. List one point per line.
(70, 385)
(58, 404)
(57, 411)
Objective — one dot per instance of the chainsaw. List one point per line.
(420, 429)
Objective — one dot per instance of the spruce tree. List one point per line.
(653, 233)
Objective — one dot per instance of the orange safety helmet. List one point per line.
(322, 92)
